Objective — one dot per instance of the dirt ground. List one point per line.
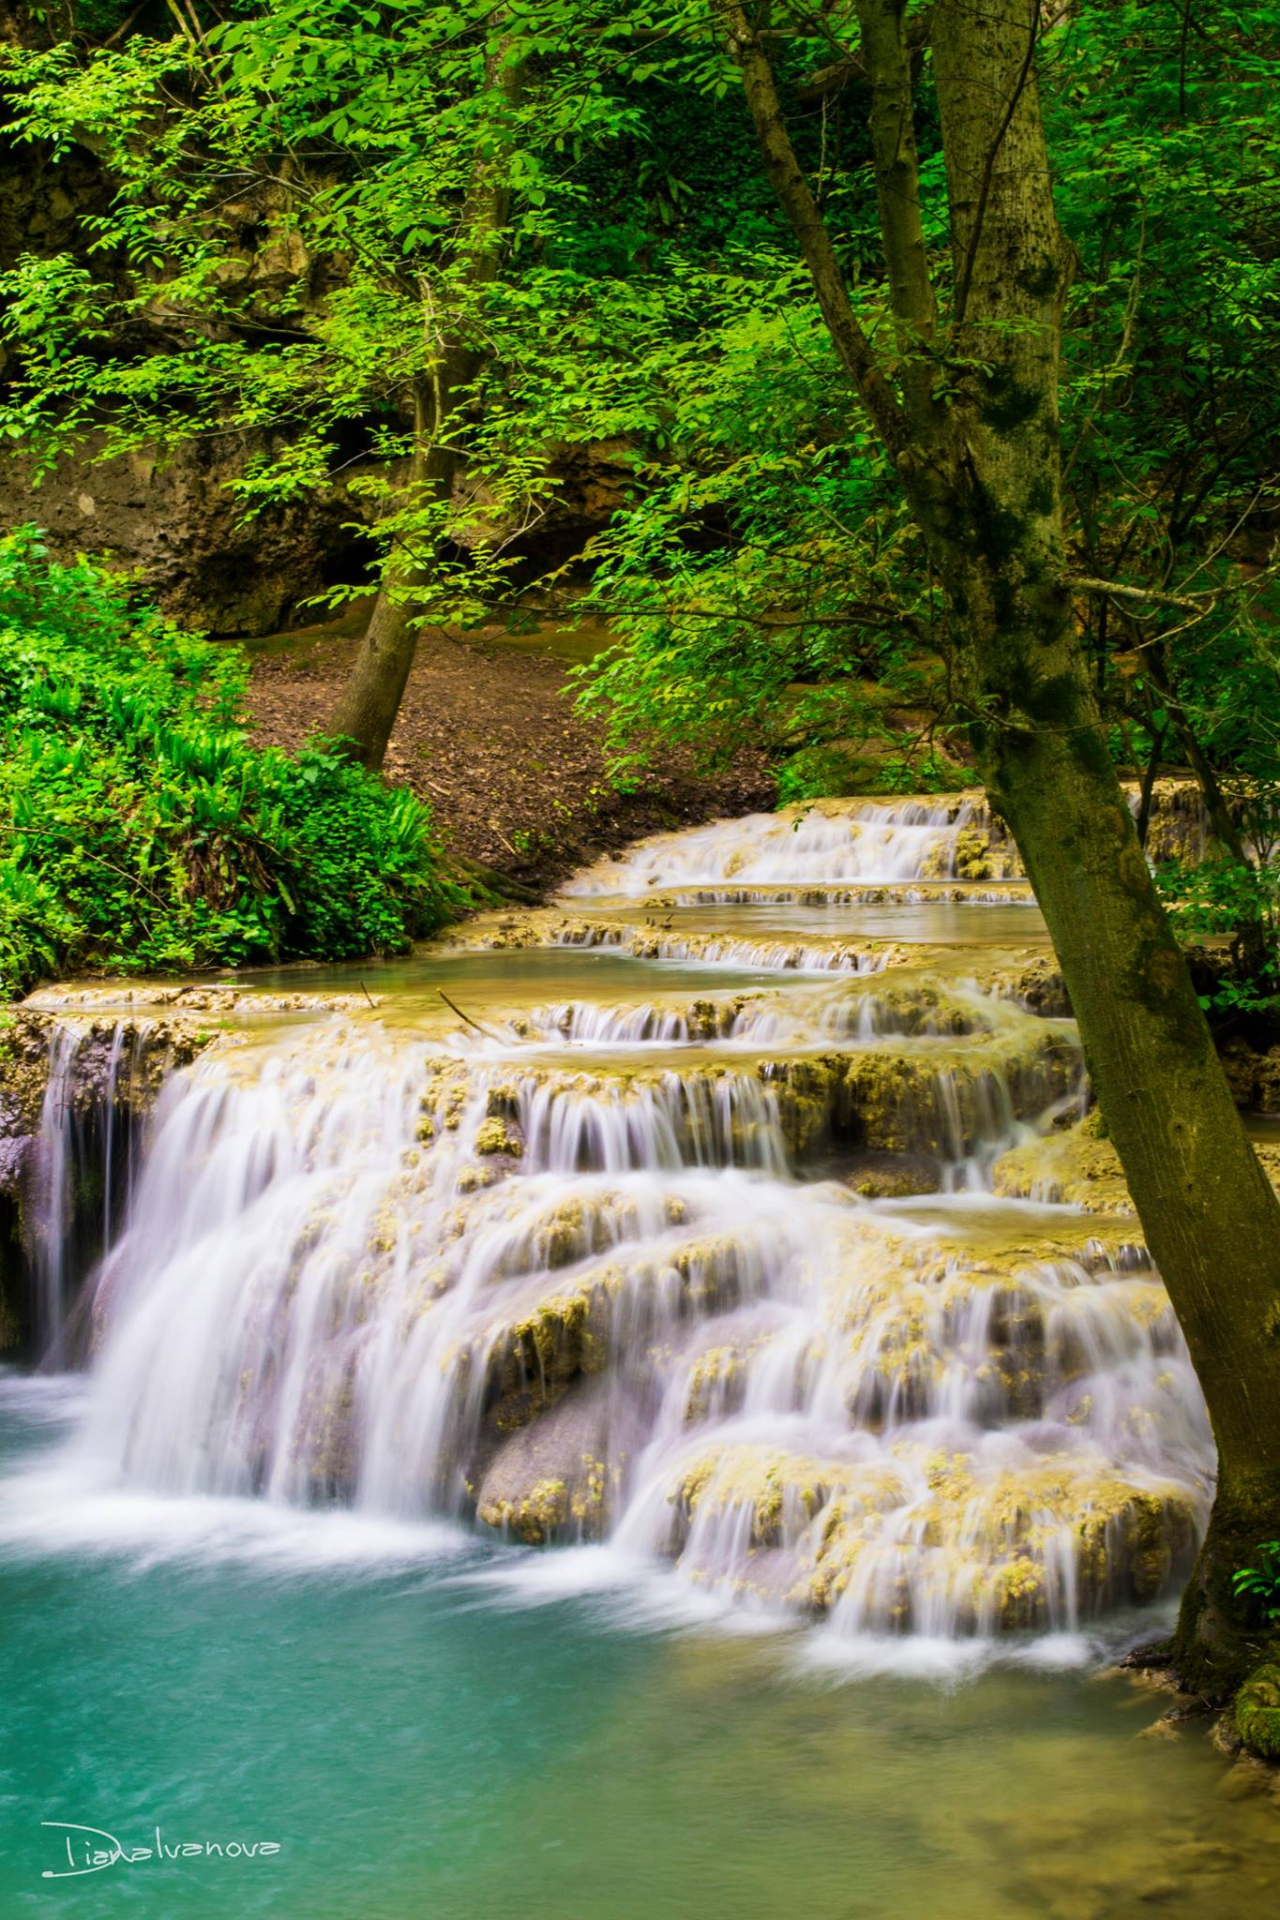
(488, 736)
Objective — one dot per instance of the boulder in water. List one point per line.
(1257, 1710)
(555, 1479)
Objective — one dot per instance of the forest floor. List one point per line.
(488, 736)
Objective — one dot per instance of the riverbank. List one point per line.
(488, 737)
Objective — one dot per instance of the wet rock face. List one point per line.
(558, 1478)
(149, 1050)
(81, 1071)
(69, 1091)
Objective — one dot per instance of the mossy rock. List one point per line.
(1037, 985)
(1257, 1712)
(1080, 1167)
(718, 1379)
(558, 1477)
(1076, 1167)
(974, 854)
(992, 1544)
(781, 1492)
(498, 1136)
(876, 1175)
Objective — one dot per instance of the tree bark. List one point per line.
(370, 701)
(1208, 1211)
(897, 168)
(982, 476)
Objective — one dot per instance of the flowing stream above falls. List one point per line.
(659, 1226)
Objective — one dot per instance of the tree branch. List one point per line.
(1082, 583)
(897, 170)
(787, 179)
(833, 79)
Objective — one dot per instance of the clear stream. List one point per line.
(849, 1499)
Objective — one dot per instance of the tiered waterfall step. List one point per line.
(588, 1232)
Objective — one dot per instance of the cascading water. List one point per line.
(82, 1162)
(609, 1269)
(828, 845)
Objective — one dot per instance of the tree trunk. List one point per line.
(370, 701)
(981, 470)
(1224, 834)
(1209, 1215)
(375, 686)
(1208, 1212)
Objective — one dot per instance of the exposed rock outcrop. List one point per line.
(557, 1478)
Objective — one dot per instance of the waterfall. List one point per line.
(613, 1270)
(55, 1158)
(818, 845)
(82, 1162)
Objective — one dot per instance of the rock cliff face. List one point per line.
(81, 1071)
(169, 516)
(74, 1095)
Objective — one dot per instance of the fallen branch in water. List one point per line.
(455, 1008)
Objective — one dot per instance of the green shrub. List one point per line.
(140, 830)
(1228, 900)
(1260, 1586)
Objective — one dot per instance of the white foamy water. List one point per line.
(878, 842)
(593, 1276)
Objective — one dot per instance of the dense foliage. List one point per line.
(141, 829)
(289, 256)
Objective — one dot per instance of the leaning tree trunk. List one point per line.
(978, 457)
(1208, 1212)
(370, 701)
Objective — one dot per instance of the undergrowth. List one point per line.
(141, 831)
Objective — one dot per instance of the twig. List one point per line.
(124, 26)
(455, 1008)
(1081, 583)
